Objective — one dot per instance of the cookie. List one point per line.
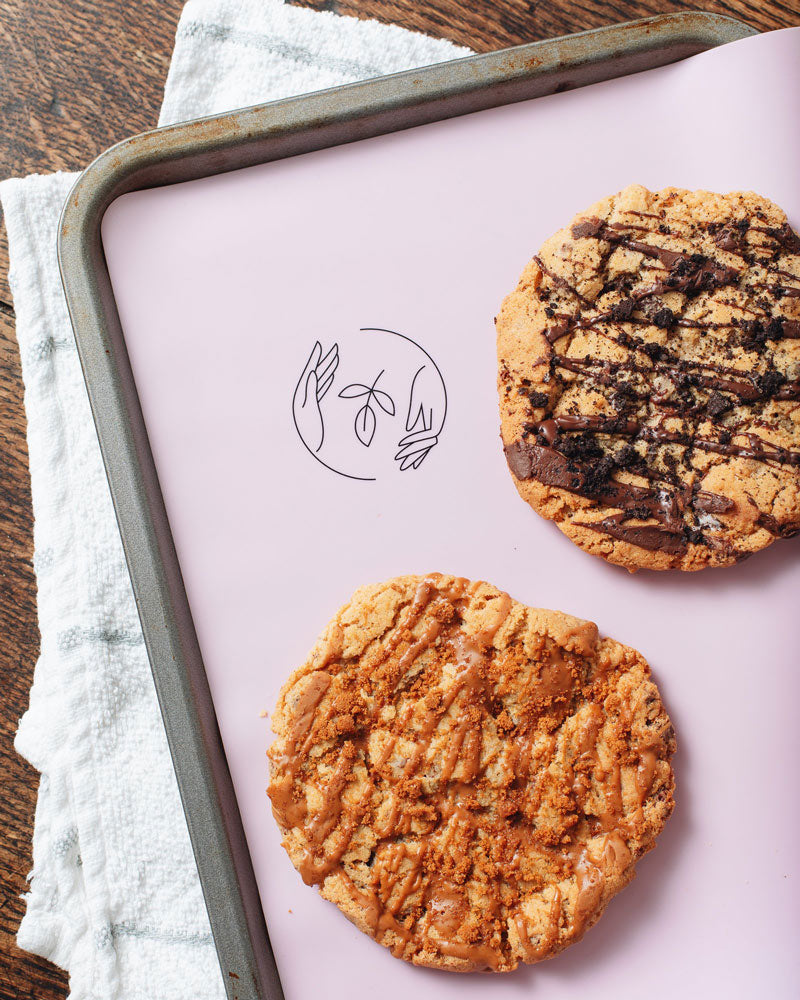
(649, 375)
(468, 779)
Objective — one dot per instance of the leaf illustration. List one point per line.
(354, 390)
(365, 424)
(384, 400)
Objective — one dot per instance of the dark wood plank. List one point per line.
(74, 78)
(491, 25)
(20, 974)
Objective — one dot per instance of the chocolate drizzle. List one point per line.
(396, 743)
(662, 408)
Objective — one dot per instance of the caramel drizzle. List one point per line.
(547, 937)
(676, 514)
(402, 872)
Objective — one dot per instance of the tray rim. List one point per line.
(217, 144)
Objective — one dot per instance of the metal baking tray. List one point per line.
(212, 146)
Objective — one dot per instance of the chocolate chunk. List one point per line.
(624, 396)
(598, 473)
(712, 503)
(664, 317)
(622, 310)
(646, 536)
(538, 398)
(580, 447)
(680, 270)
(728, 239)
(698, 273)
(556, 331)
(547, 466)
(769, 383)
(774, 528)
(653, 351)
(717, 405)
(587, 227)
(626, 456)
(786, 238)
(774, 328)
(790, 329)
(754, 334)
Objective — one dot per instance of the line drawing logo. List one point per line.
(389, 413)
(366, 421)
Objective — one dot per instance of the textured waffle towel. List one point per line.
(114, 895)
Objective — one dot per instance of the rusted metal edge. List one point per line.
(228, 142)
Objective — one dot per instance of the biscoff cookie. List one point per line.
(649, 375)
(468, 779)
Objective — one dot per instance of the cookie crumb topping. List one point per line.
(668, 355)
(468, 779)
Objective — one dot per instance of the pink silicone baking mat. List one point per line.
(281, 505)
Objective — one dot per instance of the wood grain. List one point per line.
(492, 25)
(74, 78)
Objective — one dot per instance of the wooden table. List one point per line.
(74, 78)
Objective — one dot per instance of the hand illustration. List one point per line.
(426, 409)
(414, 447)
(311, 389)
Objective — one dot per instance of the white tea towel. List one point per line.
(114, 894)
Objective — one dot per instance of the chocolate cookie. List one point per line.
(468, 779)
(649, 366)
